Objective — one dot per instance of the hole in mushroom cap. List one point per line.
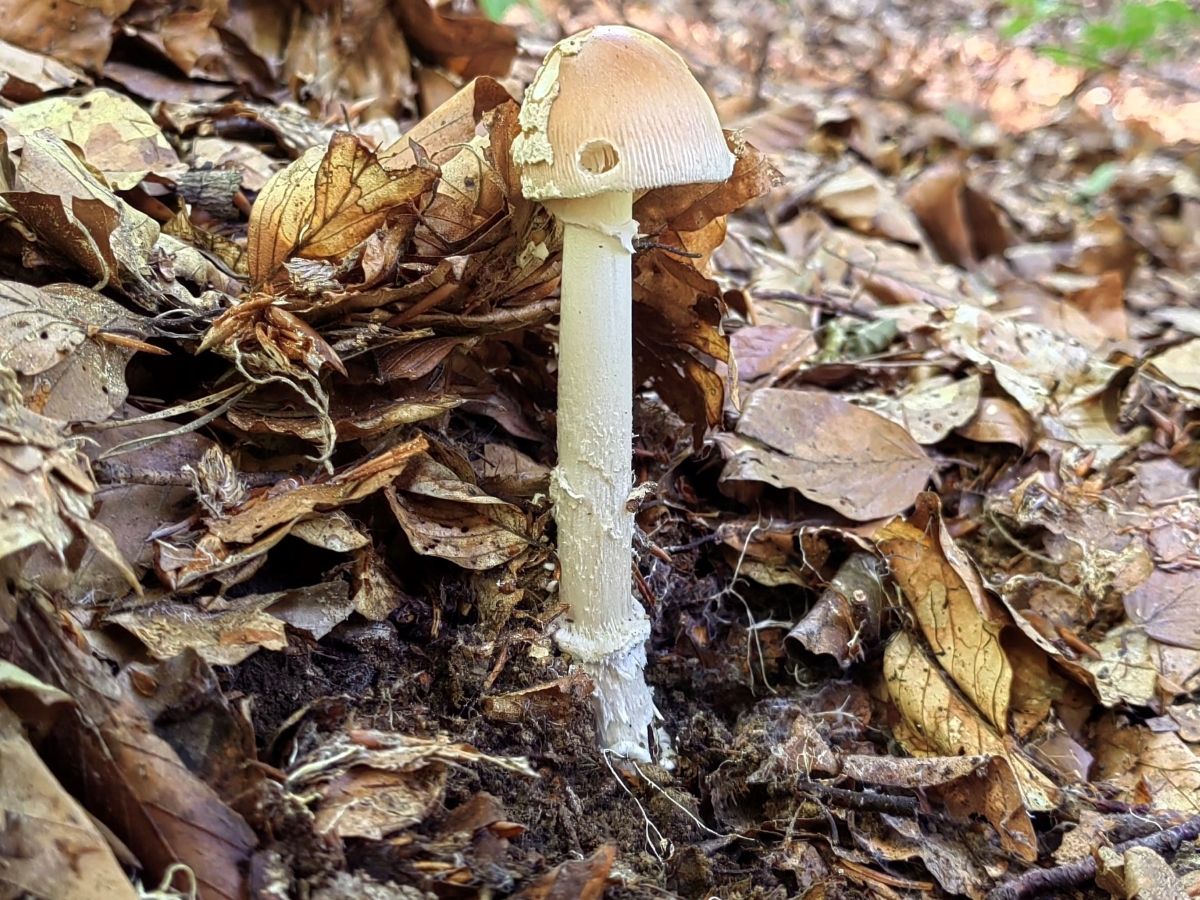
(598, 157)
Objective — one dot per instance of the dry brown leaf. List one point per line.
(1181, 364)
(268, 509)
(45, 485)
(962, 224)
(357, 59)
(691, 207)
(967, 786)
(847, 618)
(72, 31)
(222, 638)
(1034, 365)
(333, 531)
(448, 517)
(365, 802)
(946, 724)
(506, 471)
(32, 337)
(64, 204)
(376, 593)
(861, 199)
(946, 598)
(373, 783)
(468, 45)
(441, 134)
(945, 856)
(184, 565)
(1167, 607)
(52, 848)
(678, 339)
(892, 273)
(25, 76)
(554, 701)
(68, 209)
(117, 137)
(71, 344)
(1151, 768)
(225, 632)
(1000, 421)
(1123, 671)
(126, 775)
(361, 414)
(326, 203)
(259, 333)
(830, 451)
(930, 409)
(584, 879)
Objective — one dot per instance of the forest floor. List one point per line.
(919, 416)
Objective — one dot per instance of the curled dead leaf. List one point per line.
(326, 203)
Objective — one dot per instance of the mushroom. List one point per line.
(611, 112)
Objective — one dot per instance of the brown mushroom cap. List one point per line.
(615, 109)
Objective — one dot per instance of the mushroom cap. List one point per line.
(615, 109)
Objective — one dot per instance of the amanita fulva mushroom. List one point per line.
(612, 112)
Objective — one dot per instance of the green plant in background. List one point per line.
(495, 9)
(1134, 29)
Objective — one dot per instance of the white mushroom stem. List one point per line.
(606, 628)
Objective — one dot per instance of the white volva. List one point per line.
(607, 628)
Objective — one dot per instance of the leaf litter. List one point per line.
(916, 440)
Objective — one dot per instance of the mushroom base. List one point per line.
(624, 705)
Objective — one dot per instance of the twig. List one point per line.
(866, 801)
(642, 244)
(1040, 882)
(823, 303)
(119, 474)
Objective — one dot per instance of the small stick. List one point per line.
(1040, 882)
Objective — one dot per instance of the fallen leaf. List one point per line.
(72, 31)
(268, 509)
(71, 344)
(46, 486)
(946, 724)
(964, 225)
(52, 848)
(946, 598)
(117, 137)
(1167, 607)
(468, 45)
(585, 879)
(326, 203)
(26, 76)
(847, 618)
(1181, 364)
(373, 783)
(1145, 767)
(447, 517)
(966, 786)
(126, 775)
(829, 450)
(930, 409)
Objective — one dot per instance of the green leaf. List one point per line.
(1100, 36)
(495, 9)
(1016, 25)
(1141, 24)
(1100, 180)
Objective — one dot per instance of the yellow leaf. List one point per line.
(326, 203)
